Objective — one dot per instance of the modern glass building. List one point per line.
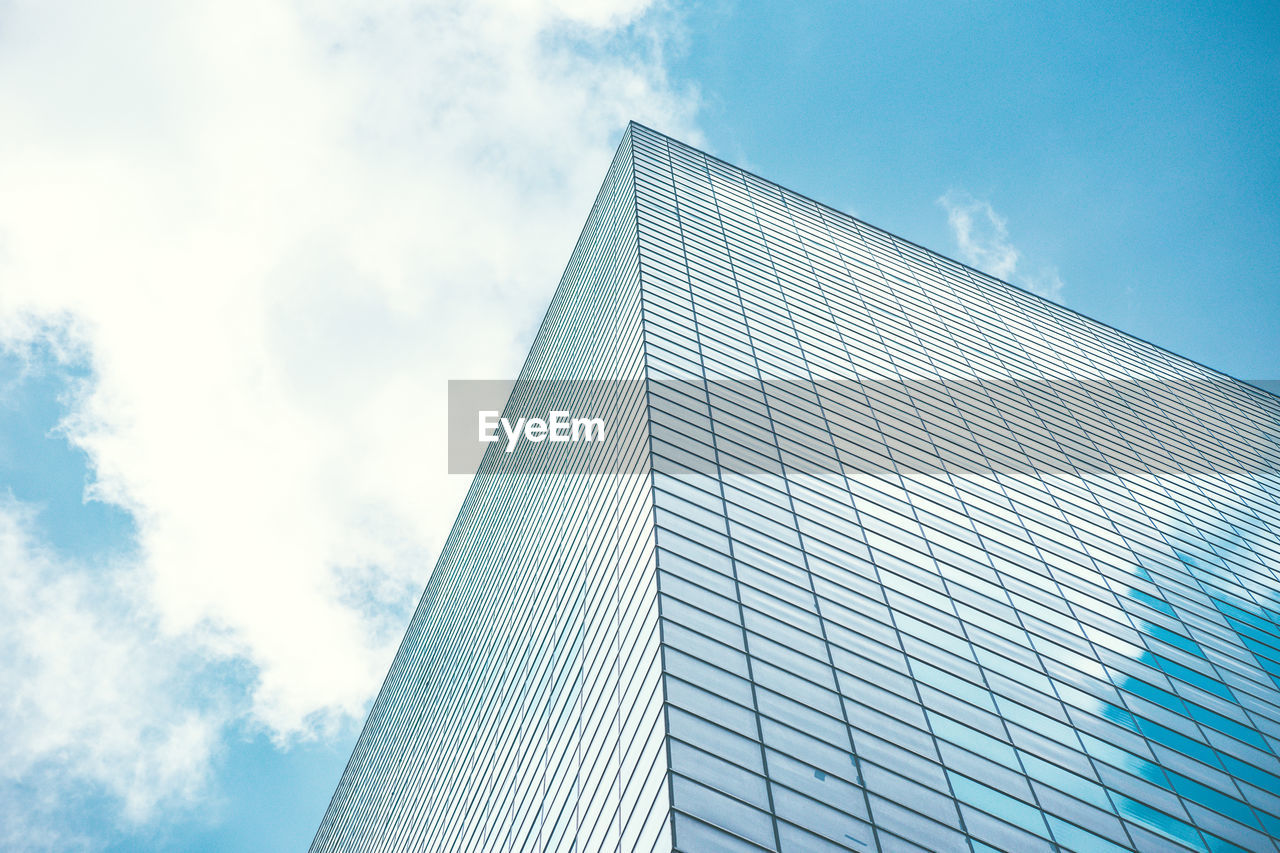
(881, 554)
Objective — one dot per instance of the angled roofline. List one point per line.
(1247, 384)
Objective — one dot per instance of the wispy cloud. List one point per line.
(982, 236)
(88, 699)
(1046, 282)
(273, 234)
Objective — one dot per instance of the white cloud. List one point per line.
(1046, 282)
(982, 236)
(86, 694)
(981, 233)
(275, 231)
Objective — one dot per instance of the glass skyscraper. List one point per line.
(881, 554)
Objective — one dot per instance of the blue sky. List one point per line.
(1131, 146)
(238, 263)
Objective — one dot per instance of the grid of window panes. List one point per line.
(523, 709)
(904, 657)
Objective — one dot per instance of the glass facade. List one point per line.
(884, 555)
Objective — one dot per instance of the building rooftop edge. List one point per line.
(1246, 383)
